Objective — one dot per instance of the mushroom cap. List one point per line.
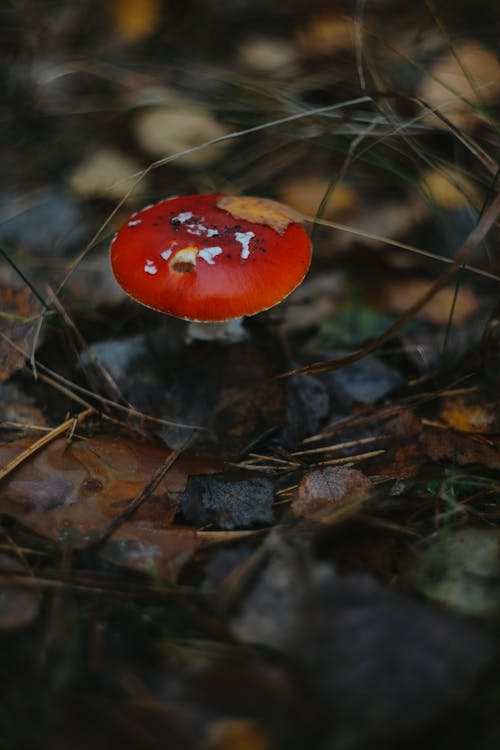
(211, 257)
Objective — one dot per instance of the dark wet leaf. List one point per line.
(364, 382)
(229, 501)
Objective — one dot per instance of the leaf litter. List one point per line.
(290, 541)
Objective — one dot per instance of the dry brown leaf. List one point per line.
(398, 295)
(461, 81)
(389, 219)
(305, 195)
(71, 493)
(109, 174)
(135, 20)
(267, 55)
(323, 490)
(462, 449)
(166, 130)
(327, 34)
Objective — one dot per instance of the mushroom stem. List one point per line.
(229, 331)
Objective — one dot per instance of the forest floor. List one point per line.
(290, 540)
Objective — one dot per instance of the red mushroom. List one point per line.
(211, 258)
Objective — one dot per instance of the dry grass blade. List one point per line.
(401, 245)
(339, 446)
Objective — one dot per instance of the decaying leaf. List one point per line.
(327, 34)
(135, 20)
(230, 500)
(401, 293)
(166, 130)
(460, 83)
(466, 416)
(267, 55)
(306, 194)
(461, 448)
(71, 493)
(109, 174)
(323, 490)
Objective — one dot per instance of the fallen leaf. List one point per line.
(460, 83)
(323, 490)
(71, 493)
(229, 501)
(327, 34)
(107, 173)
(398, 295)
(135, 20)
(306, 194)
(468, 416)
(260, 211)
(461, 448)
(267, 55)
(166, 130)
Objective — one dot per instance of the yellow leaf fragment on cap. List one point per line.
(260, 211)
